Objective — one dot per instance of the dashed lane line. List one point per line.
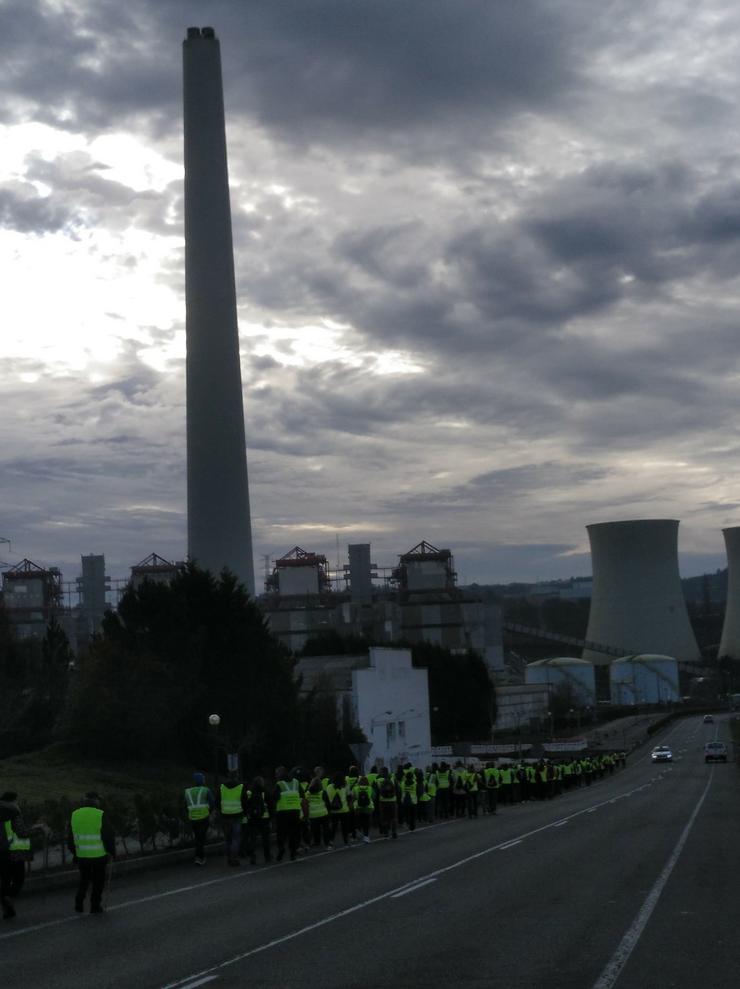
(389, 894)
(412, 888)
(629, 942)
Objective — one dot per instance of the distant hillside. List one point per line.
(708, 588)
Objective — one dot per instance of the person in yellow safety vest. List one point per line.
(459, 792)
(318, 814)
(199, 803)
(505, 780)
(353, 774)
(362, 794)
(256, 822)
(409, 797)
(430, 782)
(92, 842)
(490, 780)
(288, 804)
(387, 796)
(320, 773)
(443, 789)
(15, 848)
(340, 802)
(472, 787)
(422, 797)
(232, 805)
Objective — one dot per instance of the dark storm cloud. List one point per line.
(319, 71)
(22, 209)
(330, 67)
(498, 488)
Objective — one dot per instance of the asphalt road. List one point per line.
(633, 882)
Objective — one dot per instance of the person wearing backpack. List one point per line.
(339, 807)
(362, 793)
(256, 822)
(443, 789)
(318, 814)
(387, 797)
(350, 781)
(472, 788)
(409, 797)
(459, 790)
(490, 778)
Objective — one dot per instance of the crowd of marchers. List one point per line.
(297, 812)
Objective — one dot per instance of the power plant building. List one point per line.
(219, 524)
(637, 603)
(730, 642)
(568, 675)
(644, 680)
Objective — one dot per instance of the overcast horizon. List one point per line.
(487, 264)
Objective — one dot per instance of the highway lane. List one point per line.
(540, 896)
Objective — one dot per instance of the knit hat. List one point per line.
(199, 779)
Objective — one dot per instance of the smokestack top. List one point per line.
(200, 32)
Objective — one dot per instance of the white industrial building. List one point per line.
(384, 695)
(730, 642)
(637, 603)
(647, 679)
(565, 673)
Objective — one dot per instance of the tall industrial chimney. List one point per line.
(730, 642)
(219, 524)
(637, 602)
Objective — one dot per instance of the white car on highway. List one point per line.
(661, 753)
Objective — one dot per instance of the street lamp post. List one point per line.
(214, 720)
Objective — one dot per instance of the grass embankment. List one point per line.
(58, 771)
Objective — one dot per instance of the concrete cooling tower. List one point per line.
(219, 524)
(637, 602)
(730, 642)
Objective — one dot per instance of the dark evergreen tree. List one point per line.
(196, 646)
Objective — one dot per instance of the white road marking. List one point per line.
(200, 982)
(181, 983)
(628, 943)
(509, 844)
(561, 823)
(412, 889)
(76, 918)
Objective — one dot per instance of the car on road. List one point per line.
(715, 752)
(661, 753)
(708, 719)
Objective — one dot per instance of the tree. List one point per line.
(197, 646)
(462, 696)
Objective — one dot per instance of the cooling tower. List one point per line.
(219, 525)
(637, 603)
(730, 642)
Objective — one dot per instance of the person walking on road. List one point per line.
(15, 845)
(256, 822)
(362, 794)
(232, 805)
(288, 809)
(199, 802)
(93, 844)
(387, 798)
(340, 804)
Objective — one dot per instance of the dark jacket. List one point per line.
(10, 812)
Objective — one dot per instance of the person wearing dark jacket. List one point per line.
(13, 835)
(92, 842)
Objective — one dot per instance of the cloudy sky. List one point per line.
(487, 263)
